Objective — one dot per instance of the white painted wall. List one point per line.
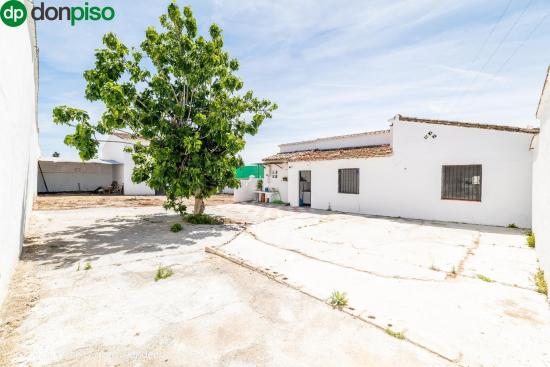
(74, 176)
(18, 142)
(245, 192)
(278, 183)
(408, 183)
(344, 141)
(541, 187)
(113, 150)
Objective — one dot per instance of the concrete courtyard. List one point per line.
(463, 292)
(458, 294)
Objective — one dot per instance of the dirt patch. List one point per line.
(80, 201)
(24, 294)
(513, 309)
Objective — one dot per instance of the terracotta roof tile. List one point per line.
(331, 154)
(475, 125)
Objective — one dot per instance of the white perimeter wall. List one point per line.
(541, 190)
(113, 150)
(18, 143)
(408, 183)
(245, 191)
(74, 176)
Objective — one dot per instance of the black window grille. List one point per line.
(461, 182)
(348, 181)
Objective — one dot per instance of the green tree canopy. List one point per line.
(179, 92)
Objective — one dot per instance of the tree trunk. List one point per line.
(199, 206)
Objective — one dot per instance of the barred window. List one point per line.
(348, 181)
(274, 174)
(461, 182)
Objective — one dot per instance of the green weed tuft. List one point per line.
(202, 219)
(163, 272)
(338, 299)
(484, 278)
(531, 239)
(540, 282)
(396, 334)
(176, 227)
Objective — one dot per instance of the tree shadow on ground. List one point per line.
(119, 235)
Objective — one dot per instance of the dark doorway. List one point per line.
(304, 188)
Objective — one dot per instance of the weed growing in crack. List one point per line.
(434, 268)
(338, 299)
(484, 278)
(540, 282)
(163, 272)
(396, 334)
(88, 266)
(452, 273)
(512, 225)
(530, 239)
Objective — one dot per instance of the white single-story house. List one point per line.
(74, 175)
(418, 168)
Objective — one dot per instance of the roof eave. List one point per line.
(538, 114)
(376, 132)
(471, 125)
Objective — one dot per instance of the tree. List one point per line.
(180, 93)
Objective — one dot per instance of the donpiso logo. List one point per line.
(14, 13)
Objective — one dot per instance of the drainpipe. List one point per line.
(43, 179)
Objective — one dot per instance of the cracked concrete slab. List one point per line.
(209, 313)
(396, 272)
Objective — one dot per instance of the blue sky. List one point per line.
(334, 67)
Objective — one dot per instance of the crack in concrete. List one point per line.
(370, 272)
(279, 279)
(501, 283)
(476, 243)
(469, 252)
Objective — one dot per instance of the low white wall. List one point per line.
(408, 183)
(73, 176)
(18, 142)
(541, 191)
(245, 192)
